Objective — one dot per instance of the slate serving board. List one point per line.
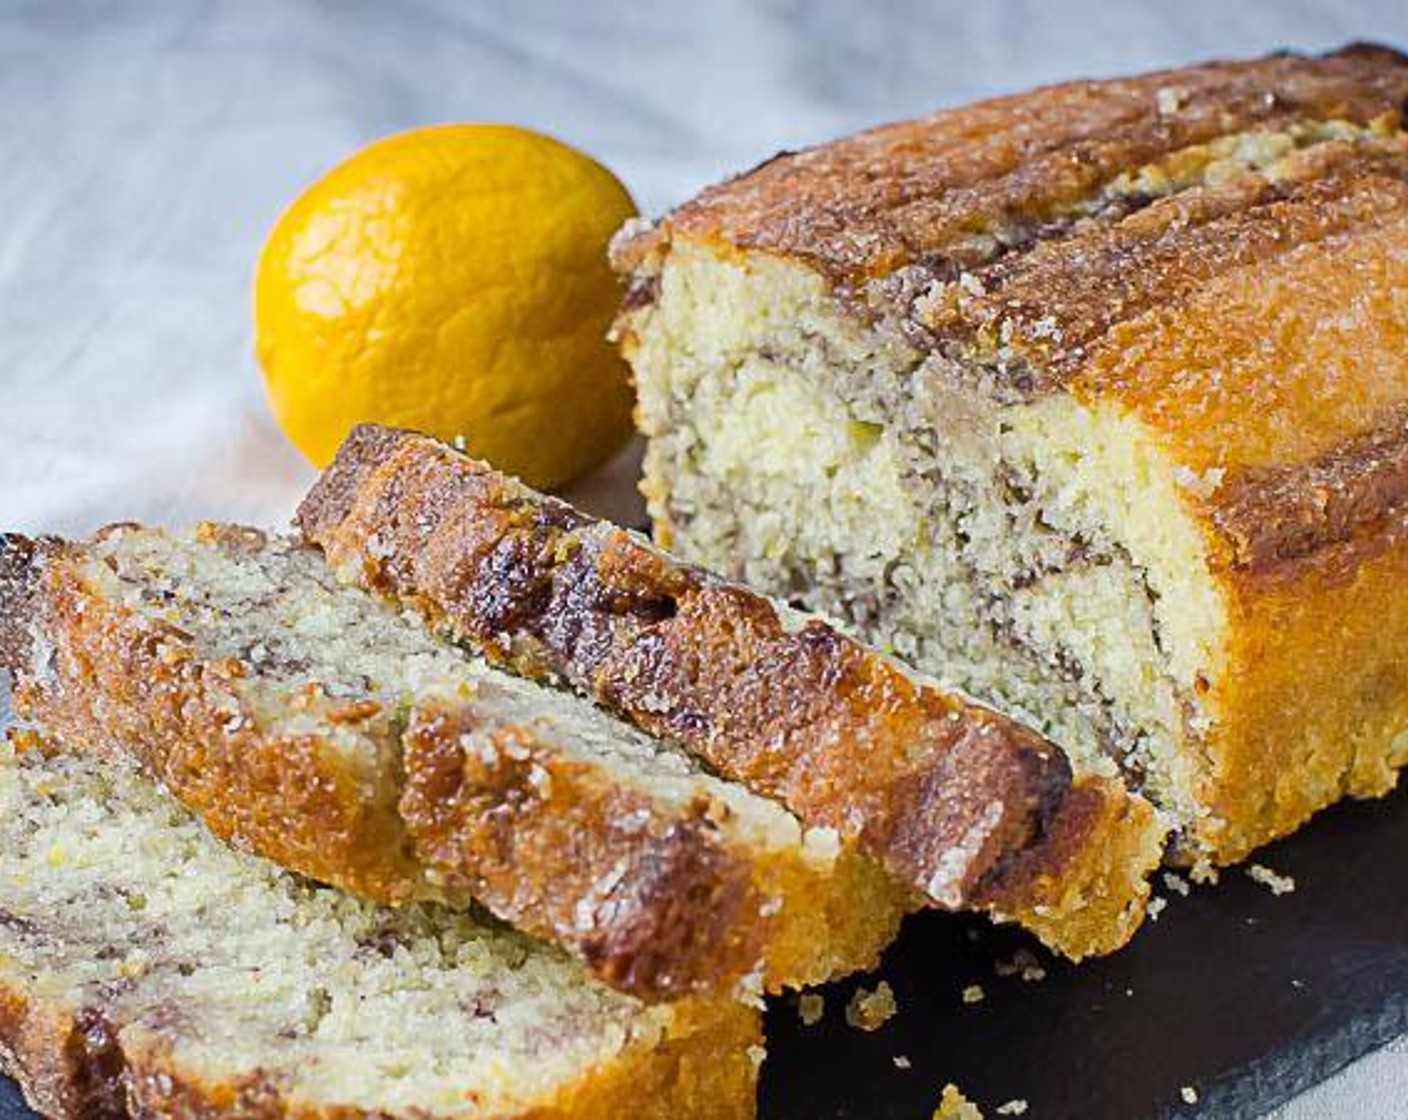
(1245, 997)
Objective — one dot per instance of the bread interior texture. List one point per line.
(1037, 554)
(218, 968)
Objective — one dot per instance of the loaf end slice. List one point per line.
(960, 803)
(148, 970)
(312, 724)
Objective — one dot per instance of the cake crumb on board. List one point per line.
(902, 1061)
(869, 1011)
(1204, 873)
(1024, 964)
(953, 1105)
(974, 993)
(1012, 1108)
(1189, 1094)
(1277, 884)
(811, 1008)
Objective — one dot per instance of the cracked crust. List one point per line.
(660, 898)
(964, 805)
(916, 192)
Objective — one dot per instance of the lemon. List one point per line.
(453, 280)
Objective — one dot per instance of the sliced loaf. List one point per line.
(964, 805)
(146, 970)
(1093, 399)
(312, 724)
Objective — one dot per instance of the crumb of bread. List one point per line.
(953, 1105)
(1277, 884)
(902, 1061)
(811, 1008)
(1189, 1094)
(1176, 883)
(1012, 1108)
(1156, 907)
(974, 993)
(1023, 964)
(1204, 873)
(869, 1011)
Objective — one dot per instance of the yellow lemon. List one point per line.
(454, 280)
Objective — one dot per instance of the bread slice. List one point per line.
(147, 970)
(1117, 371)
(960, 803)
(312, 724)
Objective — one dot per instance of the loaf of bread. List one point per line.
(312, 724)
(963, 805)
(1092, 400)
(146, 970)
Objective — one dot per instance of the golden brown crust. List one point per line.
(546, 849)
(1047, 310)
(65, 1060)
(944, 793)
(1271, 518)
(917, 191)
(1312, 701)
(73, 1065)
(671, 908)
(1087, 884)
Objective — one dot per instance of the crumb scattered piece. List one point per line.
(953, 1105)
(901, 1061)
(1276, 884)
(1023, 964)
(1156, 907)
(1189, 1094)
(1204, 873)
(1176, 883)
(811, 1008)
(1129, 992)
(1012, 1108)
(1297, 983)
(869, 1011)
(974, 993)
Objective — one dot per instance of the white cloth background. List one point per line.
(147, 147)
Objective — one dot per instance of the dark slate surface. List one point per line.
(1247, 997)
